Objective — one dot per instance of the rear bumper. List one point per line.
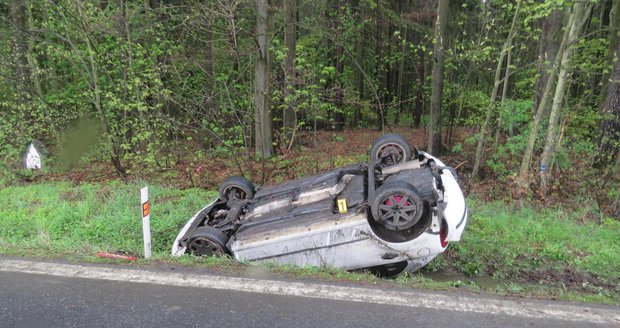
(455, 212)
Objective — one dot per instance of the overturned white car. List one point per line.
(392, 215)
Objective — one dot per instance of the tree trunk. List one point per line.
(379, 80)
(609, 138)
(419, 89)
(434, 123)
(289, 117)
(261, 84)
(400, 92)
(548, 50)
(491, 107)
(151, 4)
(18, 15)
(613, 38)
(359, 81)
(339, 92)
(581, 13)
(209, 91)
(502, 101)
(523, 178)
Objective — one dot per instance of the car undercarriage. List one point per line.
(393, 214)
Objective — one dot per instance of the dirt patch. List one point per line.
(569, 278)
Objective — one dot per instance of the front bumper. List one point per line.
(177, 248)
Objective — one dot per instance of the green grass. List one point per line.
(61, 218)
(509, 242)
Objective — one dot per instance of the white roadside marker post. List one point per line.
(146, 220)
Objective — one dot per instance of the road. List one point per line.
(34, 294)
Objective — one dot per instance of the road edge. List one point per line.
(416, 299)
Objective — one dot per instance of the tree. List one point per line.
(523, 176)
(19, 22)
(609, 137)
(379, 69)
(263, 122)
(209, 90)
(290, 38)
(338, 87)
(613, 36)
(496, 84)
(547, 50)
(434, 123)
(580, 14)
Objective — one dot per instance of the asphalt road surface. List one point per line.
(133, 298)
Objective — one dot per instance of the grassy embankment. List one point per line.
(555, 253)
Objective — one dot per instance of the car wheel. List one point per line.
(390, 149)
(236, 188)
(389, 270)
(397, 206)
(207, 241)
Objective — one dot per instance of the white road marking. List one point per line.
(452, 302)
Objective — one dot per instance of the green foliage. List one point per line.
(458, 148)
(506, 158)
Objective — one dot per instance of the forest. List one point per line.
(523, 96)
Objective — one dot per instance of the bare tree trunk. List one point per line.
(289, 116)
(613, 37)
(209, 91)
(434, 123)
(581, 13)
(523, 178)
(18, 15)
(491, 107)
(400, 92)
(151, 4)
(261, 79)
(505, 85)
(339, 96)
(359, 81)
(419, 89)
(609, 138)
(548, 50)
(380, 89)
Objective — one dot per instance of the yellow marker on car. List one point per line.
(342, 206)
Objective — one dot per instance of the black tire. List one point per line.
(236, 187)
(390, 149)
(397, 206)
(389, 270)
(207, 241)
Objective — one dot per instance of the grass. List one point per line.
(516, 242)
(548, 253)
(84, 219)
